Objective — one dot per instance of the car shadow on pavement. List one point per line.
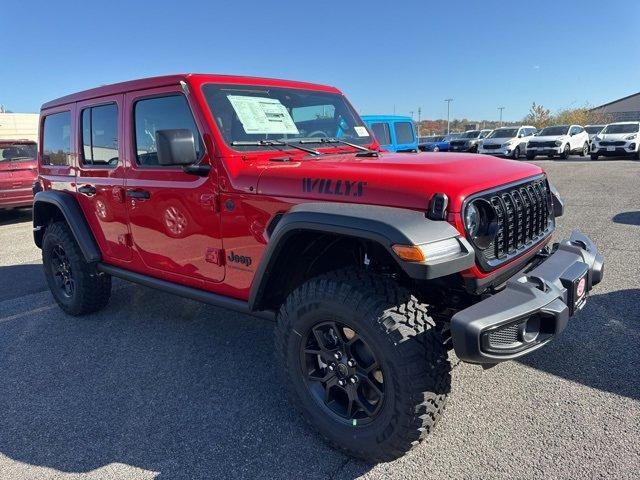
(600, 347)
(627, 218)
(155, 382)
(18, 215)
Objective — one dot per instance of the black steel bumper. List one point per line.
(532, 309)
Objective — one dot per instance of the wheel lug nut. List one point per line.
(353, 380)
(351, 362)
(332, 366)
(342, 383)
(337, 356)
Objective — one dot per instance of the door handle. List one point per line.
(88, 190)
(139, 194)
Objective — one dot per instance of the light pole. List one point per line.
(419, 117)
(501, 109)
(448, 100)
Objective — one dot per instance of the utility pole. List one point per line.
(419, 118)
(501, 109)
(448, 100)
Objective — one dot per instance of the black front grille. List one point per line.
(613, 144)
(523, 218)
(491, 147)
(543, 144)
(457, 143)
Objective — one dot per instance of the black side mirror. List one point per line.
(176, 147)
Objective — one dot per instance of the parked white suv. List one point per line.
(617, 139)
(559, 140)
(507, 141)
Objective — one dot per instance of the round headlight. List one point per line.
(472, 220)
(481, 222)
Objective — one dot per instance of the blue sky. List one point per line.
(409, 53)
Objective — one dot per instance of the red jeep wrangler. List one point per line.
(270, 197)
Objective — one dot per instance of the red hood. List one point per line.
(393, 179)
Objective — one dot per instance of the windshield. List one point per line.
(247, 113)
(594, 129)
(554, 131)
(471, 134)
(503, 133)
(17, 151)
(621, 128)
(484, 133)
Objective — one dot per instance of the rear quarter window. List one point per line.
(56, 139)
(381, 132)
(404, 132)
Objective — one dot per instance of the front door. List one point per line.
(100, 179)
(174, 222)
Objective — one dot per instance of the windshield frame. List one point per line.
(368, 141)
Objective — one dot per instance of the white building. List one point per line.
(19, 126)
(623, 110)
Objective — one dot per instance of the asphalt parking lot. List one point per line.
(160, 387)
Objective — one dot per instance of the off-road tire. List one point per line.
(405, 338)
(92, 288)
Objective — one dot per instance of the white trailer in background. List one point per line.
(19, 126)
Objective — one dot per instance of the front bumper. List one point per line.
(496, 151)
(630, 148)
(532, 309)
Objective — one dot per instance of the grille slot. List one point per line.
(523, 219)
(551, 144)
(616, 143)
(505, 337)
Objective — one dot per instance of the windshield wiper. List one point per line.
(273, 143)
(343, 142)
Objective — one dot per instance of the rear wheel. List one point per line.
(75, 284)
(636, 156)
(363, 363)
(565, 152)
(531, 156)
(585, 150)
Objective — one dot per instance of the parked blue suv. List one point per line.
(394, 133)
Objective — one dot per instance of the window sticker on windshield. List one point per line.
(361, 131)
(262, 115)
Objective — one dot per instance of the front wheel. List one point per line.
(363, 363)
(76, 285)
(636, 156)
(565, 152)
(594, 156)
(436, 149)
(516, 153)
(531, 156)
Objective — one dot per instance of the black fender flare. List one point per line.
(70, 210)
(387, 226)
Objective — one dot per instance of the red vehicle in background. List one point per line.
(18, 171)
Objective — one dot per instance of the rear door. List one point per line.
(173, 215)
(100, 178)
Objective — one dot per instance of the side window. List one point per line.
(56, 139)
(404, 132)
(381, 132)
(100, 135)
(161, 113)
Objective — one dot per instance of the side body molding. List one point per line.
(385, 225)
(70, 210)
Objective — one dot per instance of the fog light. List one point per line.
(632, 146)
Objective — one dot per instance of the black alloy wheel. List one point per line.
(342, 373)
(62, 271)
